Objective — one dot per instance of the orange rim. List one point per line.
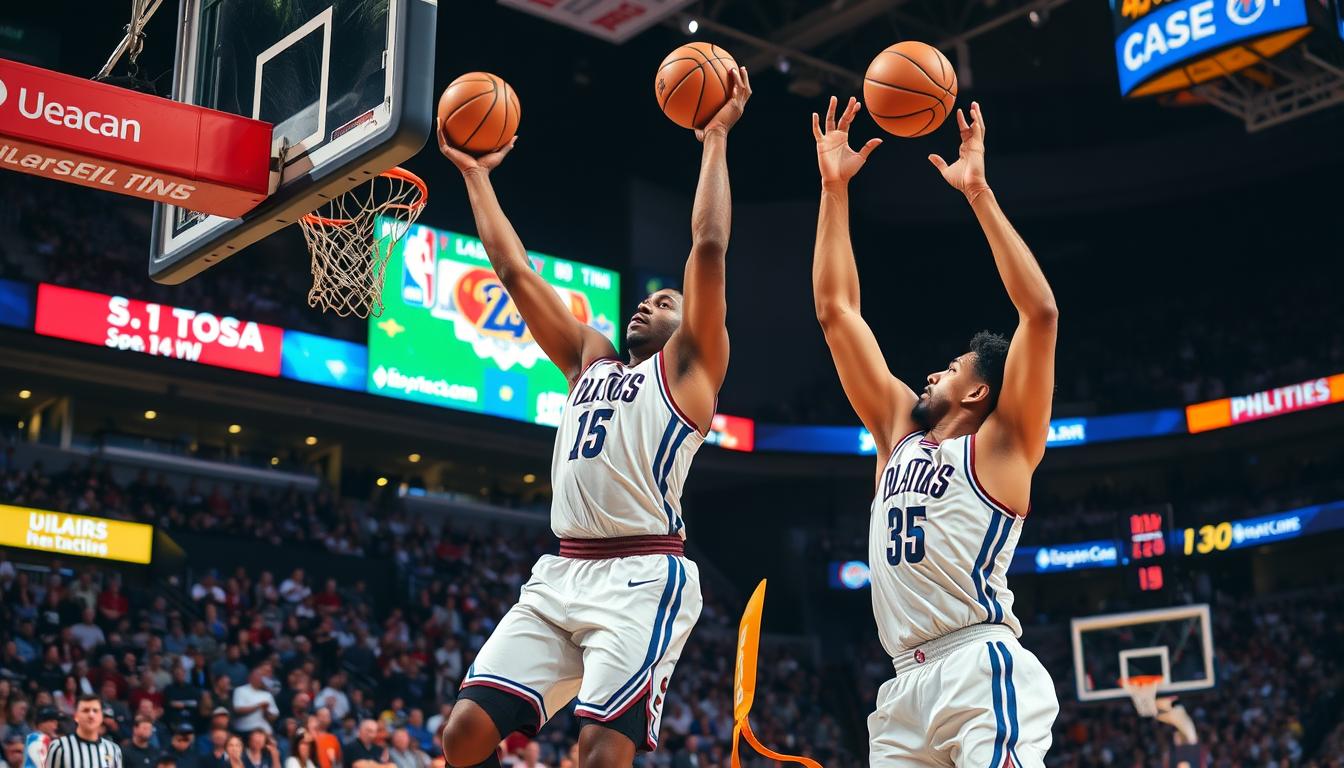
(1140, 680)
(396, 172)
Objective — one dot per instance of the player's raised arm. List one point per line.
(1021, 420)
(881, 400)
(567, 342)
(701, 342)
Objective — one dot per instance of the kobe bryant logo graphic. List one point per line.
(1244, 12)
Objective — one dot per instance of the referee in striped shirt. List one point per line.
(86, 747)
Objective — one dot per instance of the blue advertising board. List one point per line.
(16, 304)
(321, 360)
(1176, 33)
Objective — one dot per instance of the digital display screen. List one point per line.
(130, 325)
(451, 336)
(321, 360)
(60, 533)
(1155, 37)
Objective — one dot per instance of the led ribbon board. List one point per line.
(1162, 45)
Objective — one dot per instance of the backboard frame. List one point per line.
(1083, 624)
(352, 154)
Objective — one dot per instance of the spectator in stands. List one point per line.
(87, 633)
(326, 747)
(364, 751)
(13, 745)
(689, 755)
(181, 697)
(435, 724)
(216, 753)
(139, 752)
(415, 726)
(261, 750)
(328, 601)
(253, 705)
(112, 605)
(207, 591)
(183, 747)
(333, 696)
(293, 589)
(233, 749)
(304, 751)
(405, 753)
(230, 665)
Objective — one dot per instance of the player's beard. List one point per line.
(923, 413)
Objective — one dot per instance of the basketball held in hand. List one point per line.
(479, 113)
(910, 89)
(692, 83)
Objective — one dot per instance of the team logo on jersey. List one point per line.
(1245, 12)
(919, 656)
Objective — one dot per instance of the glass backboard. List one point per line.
(1173, 643)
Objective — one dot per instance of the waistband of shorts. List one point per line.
(940, 647)
(623, 546)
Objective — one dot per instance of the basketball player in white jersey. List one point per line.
(605, 621)
(953, 484)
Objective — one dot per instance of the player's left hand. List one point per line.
(739, 90)
(967, 174)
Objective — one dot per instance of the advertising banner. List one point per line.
(66, 534)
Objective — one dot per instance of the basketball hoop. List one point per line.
(351, 236)
(1142, 689)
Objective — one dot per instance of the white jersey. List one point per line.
(621, 454)
(938, 545)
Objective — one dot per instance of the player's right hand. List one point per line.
(468, 163)
(837, 162)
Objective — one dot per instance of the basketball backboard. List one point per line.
(347, 85)
(1174, 643)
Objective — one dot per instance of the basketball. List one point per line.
(910, 89)
(479, 113)
(692, 83)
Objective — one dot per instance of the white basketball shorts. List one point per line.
(608, 631)
(974, 697)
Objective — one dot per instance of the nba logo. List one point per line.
(417, 272)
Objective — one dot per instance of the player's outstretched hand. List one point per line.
(467, 163)
(739, 90)
(839, 163)
(967, 174)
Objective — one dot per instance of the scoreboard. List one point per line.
(1145, 534)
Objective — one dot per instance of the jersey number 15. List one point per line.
(592, 433)
(911, 544)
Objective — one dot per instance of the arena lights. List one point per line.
(414, 458)
(310, 440)
(380, 482)
(235, 429)
(24, 394)
(529, 478)
(151, 415)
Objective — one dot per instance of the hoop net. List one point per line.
(350, 246)
(1142, 689)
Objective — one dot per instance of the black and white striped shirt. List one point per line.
(73, 752)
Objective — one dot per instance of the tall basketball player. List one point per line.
(606, 620)
(953, 484)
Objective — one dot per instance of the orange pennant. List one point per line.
(744, 682)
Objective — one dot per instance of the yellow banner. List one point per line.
(744, 682)
(64, 534)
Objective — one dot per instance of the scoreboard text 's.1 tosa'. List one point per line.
(1167, 45)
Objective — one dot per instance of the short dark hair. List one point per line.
(991, 352)
(83, 697)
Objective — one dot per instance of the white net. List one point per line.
(351, 236)
(1142, 690)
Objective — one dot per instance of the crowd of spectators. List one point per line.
(292, 667)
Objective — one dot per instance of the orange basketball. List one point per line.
(692, 83)
(910, 89)
(479, 113)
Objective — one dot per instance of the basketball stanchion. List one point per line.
(744, 683)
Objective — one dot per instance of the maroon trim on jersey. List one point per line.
(672, 401)
(1004, 508)
(595, 361)
(899, 443)
(622, 546)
